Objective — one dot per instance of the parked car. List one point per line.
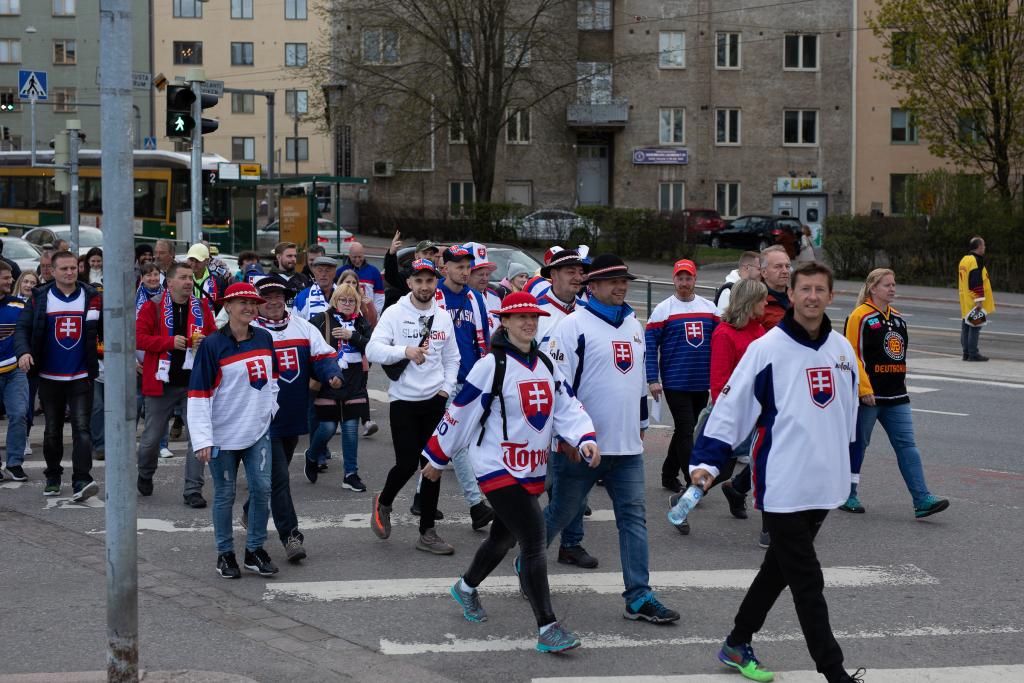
(22, 253)
(499, 254)
(702, 223)
(554, 226)
(88, 237)
(756, 232)
(333, 240)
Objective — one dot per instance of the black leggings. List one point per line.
(517, 518)
(412, 423)
(685, 407)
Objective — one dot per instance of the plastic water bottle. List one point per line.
(678, 513)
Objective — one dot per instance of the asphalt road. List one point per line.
(944, 592)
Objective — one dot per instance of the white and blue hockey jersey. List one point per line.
(604, 364)
(800, 395)
(514, 449)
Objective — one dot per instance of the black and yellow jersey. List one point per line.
(880, 339)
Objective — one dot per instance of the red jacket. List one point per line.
(775, 309)
(727, 347)
(150, 337)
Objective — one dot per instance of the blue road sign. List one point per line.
(32, 84)
(148, 143)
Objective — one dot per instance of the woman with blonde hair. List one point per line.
(27, 281)
(879, 337)
(366, 307)
(348, 332)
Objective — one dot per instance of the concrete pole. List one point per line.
(73, 127)
(271, 199)
(197, 164)
(119, 339)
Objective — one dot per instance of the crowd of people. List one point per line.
(539, 386)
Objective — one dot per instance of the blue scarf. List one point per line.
(144, 294)
(194, 322)
(613, 314)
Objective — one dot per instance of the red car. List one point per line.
(702, 223)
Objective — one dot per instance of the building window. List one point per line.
(727, 199)
(594, 82)
(296, 54)
(296, 102)
(461, 42)
(10, 51)
(302, 147)
(671, 197)
(517, 51)
(727, 50)
(10, 7)
(672, 126)
(971, 126)
(242, 103)
(188, 52)
(461, 193)
(64, 52)
(594, 15)
(380, 46)
(188, 9)
(241, 9)
(517, 129)
(903, 51)
(801, 52)
(65, 100)
(900, 189)
(456, 132)
(902, 126)
(295, 9)
(671, 50)
(800, 127)
(241, 54)
(243, 149)
(727, 126)
(63, 8)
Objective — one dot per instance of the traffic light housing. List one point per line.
(180, 122)
(7, 102)
(61, 157)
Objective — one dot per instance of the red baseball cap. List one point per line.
(684, 265)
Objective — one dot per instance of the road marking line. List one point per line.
(921, 390)
(452, 645)
(68, 504)
(965, 380)
(358, 520)
(40, 464)
(378, 395)
(954, 674)
(939, 412)
(603, 583)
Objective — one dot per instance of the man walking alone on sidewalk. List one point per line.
(976, 301)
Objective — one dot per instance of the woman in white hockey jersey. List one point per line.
(512, 402)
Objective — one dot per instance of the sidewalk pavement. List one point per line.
(181, 676)
(1001, 371)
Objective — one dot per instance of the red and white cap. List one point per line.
(550, 253)
(241, 290)
(479, 253)
(519, 302)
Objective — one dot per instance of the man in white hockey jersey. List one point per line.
(601, 354)
(797, 386)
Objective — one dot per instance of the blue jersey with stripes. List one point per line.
(678, 337)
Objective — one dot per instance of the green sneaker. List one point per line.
(743, 660)
(930, 505)
(52, 487)
(852, 504)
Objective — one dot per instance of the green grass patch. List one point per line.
(706, 255)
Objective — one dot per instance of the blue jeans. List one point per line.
(572, 534)
(257, 459)
(899, 427)
(464, 468)
(320, 438)
(14, 390)
(623, 477)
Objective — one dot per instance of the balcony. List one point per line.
(606, 115)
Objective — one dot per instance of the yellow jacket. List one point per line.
(973, 284)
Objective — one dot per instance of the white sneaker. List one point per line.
(28, 450)
(370, 428)
(166, 452)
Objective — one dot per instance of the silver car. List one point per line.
(555, 226)
(88, 237)
(329, 236)
(22, 253)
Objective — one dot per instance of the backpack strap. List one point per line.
(718, 294)
(496, 392)
(551, 368)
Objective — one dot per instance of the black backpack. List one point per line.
(500, 361)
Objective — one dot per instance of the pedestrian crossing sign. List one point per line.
(32, 85)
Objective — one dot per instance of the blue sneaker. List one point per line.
(742, 659)
(649, 609)
(557, 639)
(517, 567)
(930, 505)
(852, 504)
(470, 603)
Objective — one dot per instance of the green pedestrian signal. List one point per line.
(179, 124)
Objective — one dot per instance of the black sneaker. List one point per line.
(737, 500)
(176, 426)
(195, 500)
(17, 473)
(144, 485)
(352, 482)
(84, 490)
(259, 561)
(1, 474)
(588, 512)
(651, 610)
(577, 555)
(415, 511)
(310, 469)
(673, 484)
(857, 677)
(977, 358)
(482, 514)
(321, 468)
(227, 566)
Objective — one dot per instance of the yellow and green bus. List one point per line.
(28, 199)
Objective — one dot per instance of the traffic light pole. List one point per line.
(119, 339)
(73, 127)
(195, 81)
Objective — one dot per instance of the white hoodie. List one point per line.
(723, 300)
(401, 326)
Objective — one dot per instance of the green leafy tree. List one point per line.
(959, 68)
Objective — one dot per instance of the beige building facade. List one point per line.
(887, 147)
(253, 45)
